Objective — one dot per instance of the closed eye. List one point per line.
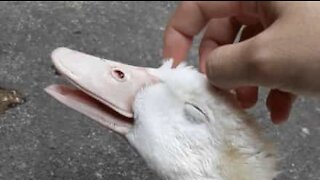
(194, 113)
(197, 108)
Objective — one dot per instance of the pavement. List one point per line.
(42, 139)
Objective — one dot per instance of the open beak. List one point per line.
(100, 85)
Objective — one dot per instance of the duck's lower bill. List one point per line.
(83, 103)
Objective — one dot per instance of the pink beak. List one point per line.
(101, 85)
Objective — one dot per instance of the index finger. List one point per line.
(190, 18)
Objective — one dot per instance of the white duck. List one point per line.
(182, 127)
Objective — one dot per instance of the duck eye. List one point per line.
(194, 114)
(118, 74)
(197, 108)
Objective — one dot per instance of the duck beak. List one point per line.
(100, 85)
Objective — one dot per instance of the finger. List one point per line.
(218, 32)
(248, 63)
(190, 18)
(233, 65)
(279, 104)
(248, 95)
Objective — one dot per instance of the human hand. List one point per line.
(279, 48)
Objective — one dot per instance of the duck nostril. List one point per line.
(118, 74)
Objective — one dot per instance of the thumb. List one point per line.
(232, 65)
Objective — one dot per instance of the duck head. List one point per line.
(183, 127)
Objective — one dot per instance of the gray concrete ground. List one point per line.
(43, 139)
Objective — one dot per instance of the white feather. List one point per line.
(218, 141)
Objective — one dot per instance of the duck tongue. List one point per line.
(100, 84)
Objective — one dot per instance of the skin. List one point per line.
(279, 48)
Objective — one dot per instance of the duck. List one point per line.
(184, 128)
